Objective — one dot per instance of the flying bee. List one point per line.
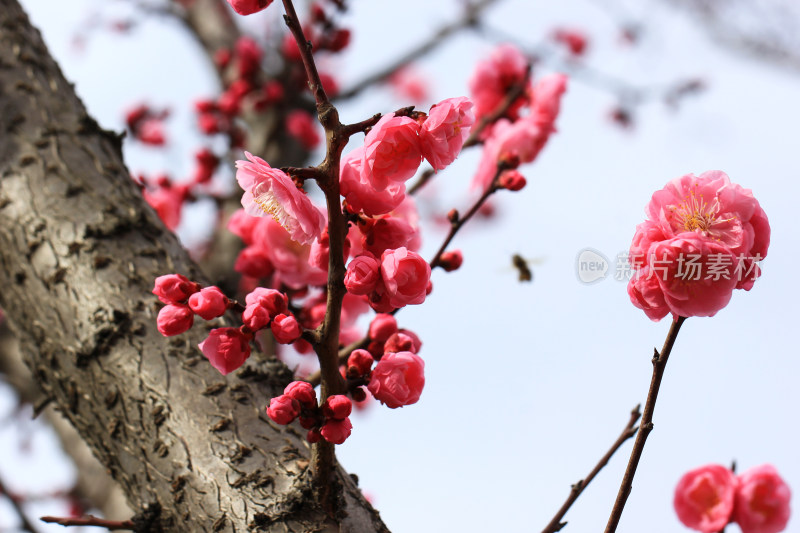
(523, 266)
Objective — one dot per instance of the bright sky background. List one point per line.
(528, 384)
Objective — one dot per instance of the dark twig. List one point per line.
(89, 520)
(659, 364)
(459, 222)
(467, 20)
(25, 524)
(630, 430)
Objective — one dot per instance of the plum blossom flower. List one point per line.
(270, 191)
(174, 319)
(493, 77)
(405, 277)
(703, 237)
(445, 130)
(398, 379)
(392, 151)
(704, 498)
(226, 349)
(762, 501)
(248, 7)
(359, 192)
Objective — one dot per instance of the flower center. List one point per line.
(266, 201)
(695, 214)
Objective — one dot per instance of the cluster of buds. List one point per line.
(710, 497)
(184, 299)
(299, 401)
(399, 375)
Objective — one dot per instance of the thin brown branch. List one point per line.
(659, 364)
(89, 520)
(630, 430)
(467, 20)
(314, 82)
(459, 222)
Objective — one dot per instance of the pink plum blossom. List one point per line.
(285, 329)
(392, 151)
(209, 303)
(226, 349)
(382, 327)
(336, 431)
(703, 237)
(363, 274)
(360, 361)
(174, 319)
(762, 501)
(270, 191)
(283, 409)
(445, 130)
(290, 258)
(493, 77)
(174, 288)
(337, 407)
(303, 392)
(405, 276)
(704, 498)
(719, 210)
(398, 379)
(359, 192)
(248, 7)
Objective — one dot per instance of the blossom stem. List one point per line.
(89, 520)
(461, 220)
(630, 430)
(314, 82)
(646, 426)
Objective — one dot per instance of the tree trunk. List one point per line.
(79, 250)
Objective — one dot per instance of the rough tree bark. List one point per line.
(79, 250)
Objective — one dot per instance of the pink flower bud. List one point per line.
(512, 180)
(398, 379)
(273, 301)
(285, 329)
(209, 303)
(337, 407)
(174, 320)
(360, 361)
(283, 409)
(313, 436)
(363, 274)
(303, 392)
(336, 431)
(382, 327)
(255, 317)
(402, 341)
(226, 349)
(174, 288)
(704, 498)
(405, 275)
(248, 7)
(451, 260)
(762, 501)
